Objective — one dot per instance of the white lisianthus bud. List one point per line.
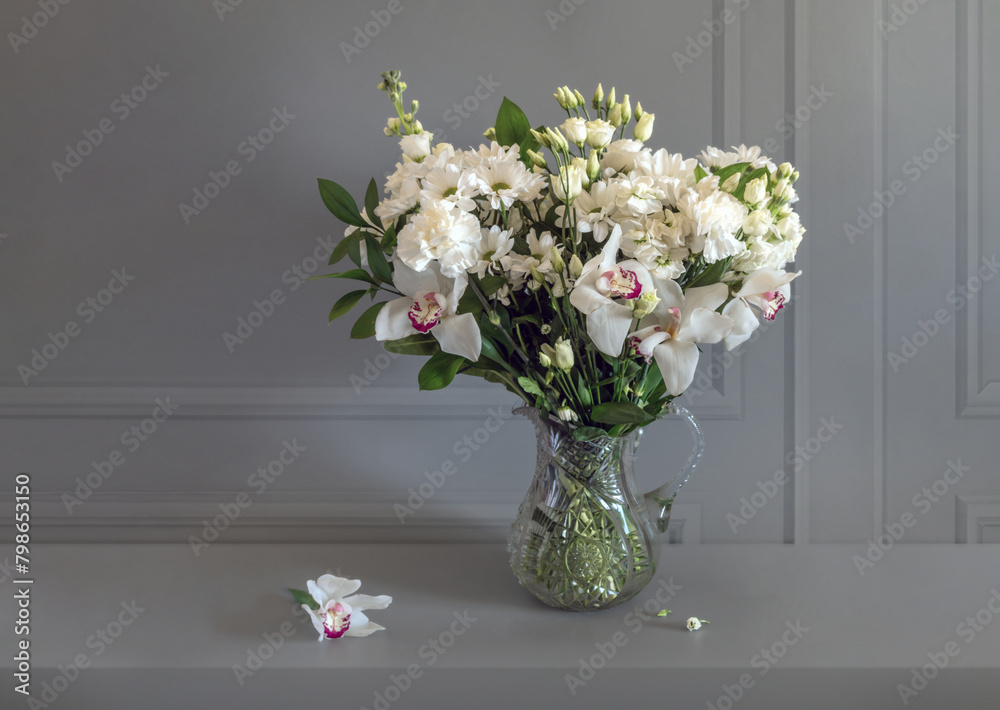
(794, 176)
(417, 146)
(570, 97)
(537, 159)
(599, 133)
(575, 130)
(575, 266)
(615, 117)
(756, 191)
(561, 355)
(785, 169)
(579, 97)
(638, 110)
(567, 415)
(490, 133)
(581, 165)
(757, 223)
(644, 128)
(626, 109)
(555, 258)
(541, 138)
(593, 166)
(783, 190)
(645, 304)
(544, 360)
(611, 98)
(556, 140)
(568, 183)
(598, 96)
(731, 183)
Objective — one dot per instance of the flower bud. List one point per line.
(546, 328)
(560, 97)
(567, 415)
(593, 166)
(615, 117)
(579, 97)
(598, 96)
(581, 165)
(644, 128)
(610, 101)
(537, 275)
(490, 133)
(544, 360)
(568, 183)
(557, 141)
(626, 109)
(561, 355)
(645, 304)
(540, 138)
(638, 111)
(537, 160)
(731, 183)
(575, 266)
(418, 127)
(556, 259)
(495, 318)
(756, 191)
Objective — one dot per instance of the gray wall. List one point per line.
(873, 87)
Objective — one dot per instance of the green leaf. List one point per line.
(730, 170)
(512, 125)
(530, 386)
(583, 391)
(699, 173)
(712, 275)
(364, 327)
(417, 344)
(339, 201)
(492, 284)
(304, 598)
(389, 239)
(438, 372)
(345, 303)
(356, 274)
(354, 249)
(653, 379)
(490, 352)
(376, 260)
(371, 198)
(588, 433)
(620, 413)
(340, 251)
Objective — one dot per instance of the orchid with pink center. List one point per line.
(681, 320)
(340, 610)
(430, 305)
(765, 289)
(599, 290)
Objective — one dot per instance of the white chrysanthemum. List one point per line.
(662, 164)
(507, 181)
(594, 209)
(451, 184)
(623, 155)
(540, 258)
(494, 252)
(638, 195)
(440, 232)
(754, 156)
(715, 219)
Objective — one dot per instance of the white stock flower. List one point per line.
(416, 146)
(341, 611)
(440, 232)
(430, 305)
(715, 219)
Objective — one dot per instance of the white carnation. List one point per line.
(440, 232)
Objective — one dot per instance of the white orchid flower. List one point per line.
(430, 305)
(601, 283)
(766, 289)
(340, 610)
(681, 320)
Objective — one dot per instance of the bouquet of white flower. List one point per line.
(583, 282)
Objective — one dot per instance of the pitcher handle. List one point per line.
(660, 500)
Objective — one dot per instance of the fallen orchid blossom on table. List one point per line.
(336, 610)
(695, 623)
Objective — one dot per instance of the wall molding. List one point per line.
(292, 517)
(973, 513)
(976, 398)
